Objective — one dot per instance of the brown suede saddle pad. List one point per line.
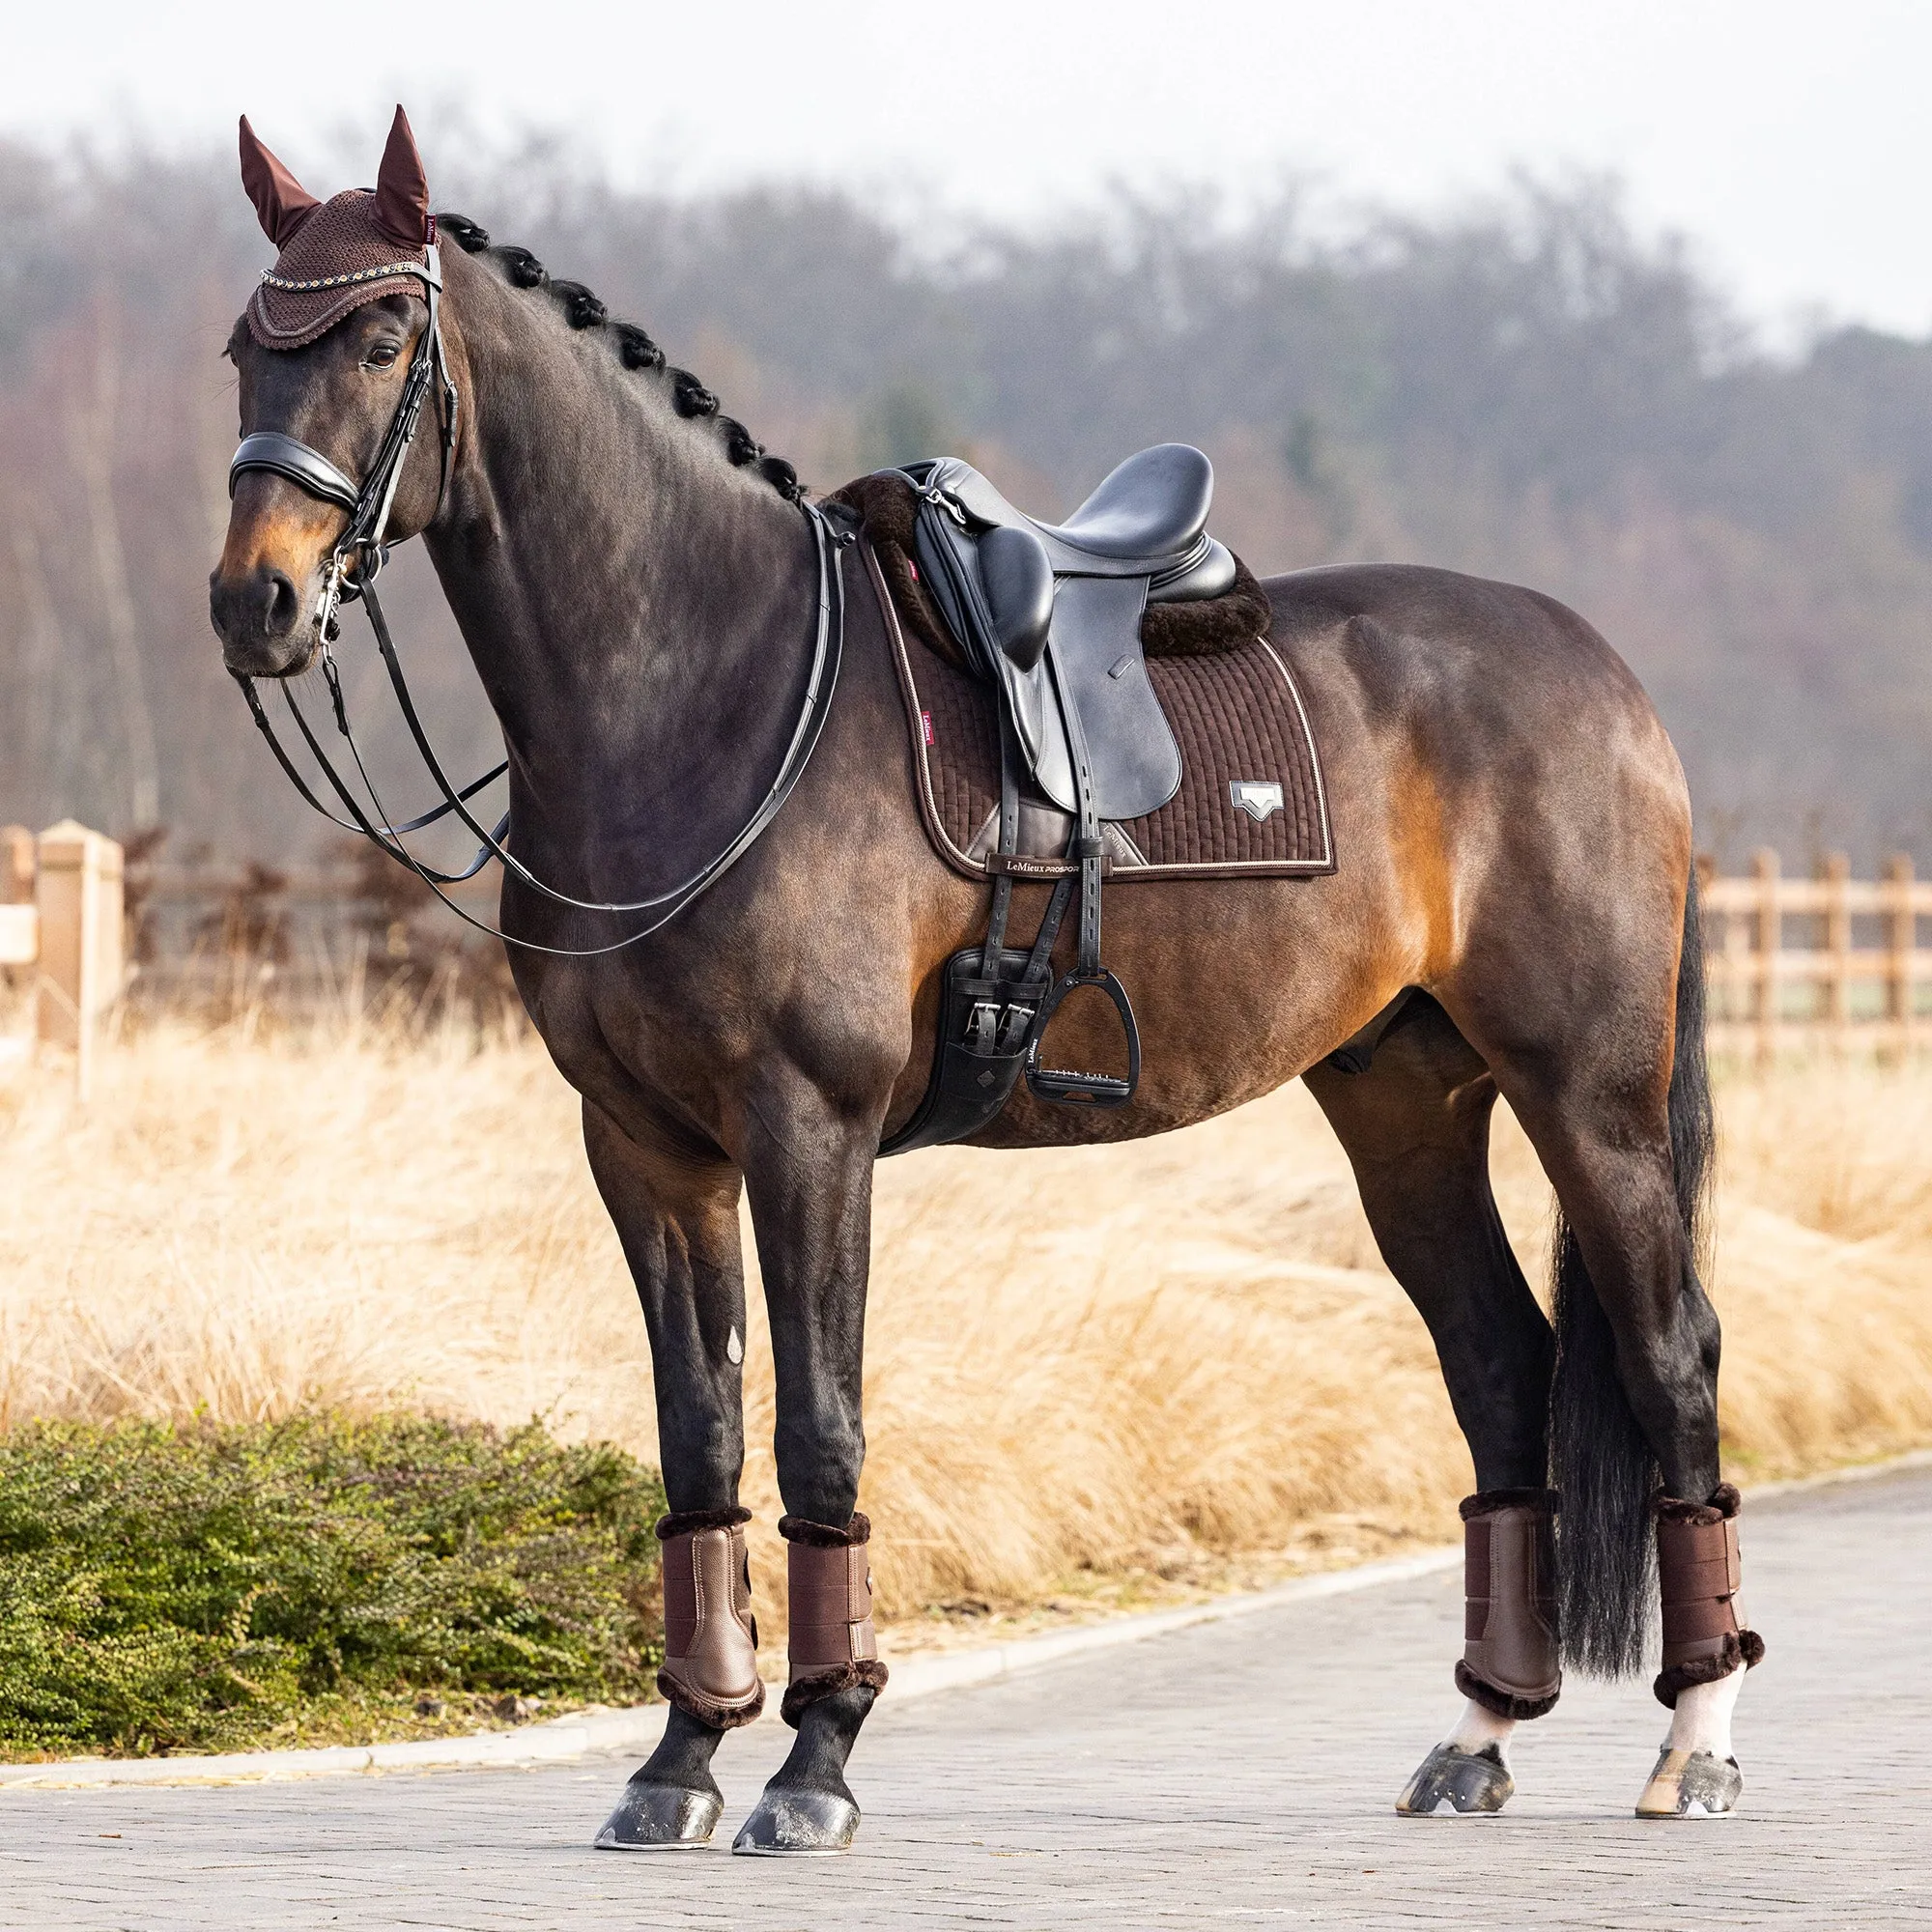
(1251, 803)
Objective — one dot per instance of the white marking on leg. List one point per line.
(735, 1348)
(1479, 1726)
(1702, 1719)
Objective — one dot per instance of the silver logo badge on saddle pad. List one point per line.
(1256, 799)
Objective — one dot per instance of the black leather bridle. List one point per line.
(349, 574)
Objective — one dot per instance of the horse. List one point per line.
(644, 593)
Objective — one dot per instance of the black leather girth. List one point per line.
(990, 996)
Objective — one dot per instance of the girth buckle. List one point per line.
(1014, 1029)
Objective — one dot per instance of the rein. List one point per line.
(349, 576)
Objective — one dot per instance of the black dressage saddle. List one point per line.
(1050, 615)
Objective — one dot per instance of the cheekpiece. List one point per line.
(338, 258)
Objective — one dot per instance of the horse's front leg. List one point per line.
(808, 1171)
(677, 1218)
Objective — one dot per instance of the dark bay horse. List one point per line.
(1514, 913)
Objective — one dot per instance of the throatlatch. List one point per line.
(1510, 1663)
(1705, 1634)
(832, 1644)
(711, 1638)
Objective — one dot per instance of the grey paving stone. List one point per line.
(1240, 1775)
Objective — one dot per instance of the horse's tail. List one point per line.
(1599, 1461)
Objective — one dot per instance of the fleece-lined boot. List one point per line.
(1705, 1633)
(1509, 1610)
(711, 1640)
(833, 1645)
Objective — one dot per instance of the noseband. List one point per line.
(349, 576)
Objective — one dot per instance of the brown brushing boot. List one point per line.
(1509, 1662)
(1705, 1640)
(710, 1673)
(832, 1648)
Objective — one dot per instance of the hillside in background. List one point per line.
(1532, 390)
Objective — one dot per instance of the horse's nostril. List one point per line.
(282, 604)
(257, 611)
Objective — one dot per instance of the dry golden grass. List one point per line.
(1189, 1365)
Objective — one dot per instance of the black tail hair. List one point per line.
(1599, 1461)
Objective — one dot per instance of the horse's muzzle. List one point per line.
(262, 621)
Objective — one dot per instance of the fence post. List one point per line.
(1766, 940)
(79, 895)
(17, 866)
(1901, 935)
(19, 923)
(1838, 943)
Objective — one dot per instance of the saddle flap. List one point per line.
(1058, 647)
(1033, 702)
(1100, 670)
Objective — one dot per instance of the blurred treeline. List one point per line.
(1531, 389)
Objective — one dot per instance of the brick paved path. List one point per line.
(1111, 1793)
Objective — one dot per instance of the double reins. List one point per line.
(349, 576)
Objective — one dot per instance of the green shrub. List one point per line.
(195, 1588)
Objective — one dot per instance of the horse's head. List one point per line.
(336, 348)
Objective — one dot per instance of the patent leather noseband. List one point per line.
(349, 576)
(284, 456)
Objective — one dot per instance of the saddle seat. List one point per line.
(1152, 505)
(1149, 518)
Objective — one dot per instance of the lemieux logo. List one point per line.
(1254, 797)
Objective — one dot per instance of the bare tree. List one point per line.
(93, 450)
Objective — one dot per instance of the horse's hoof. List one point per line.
(798, 1824)
(1691, 1784)
(660, 1818)
(1476, 1780)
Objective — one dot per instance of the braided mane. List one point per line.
(636, 350)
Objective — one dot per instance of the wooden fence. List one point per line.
(1792, 963)
(1827, 960)
(61, 917)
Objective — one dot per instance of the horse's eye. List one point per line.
(381, 357)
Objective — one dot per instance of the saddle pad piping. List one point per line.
(928, 806)
(1327, 863)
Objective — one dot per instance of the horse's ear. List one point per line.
(281, 203)
(401, 188)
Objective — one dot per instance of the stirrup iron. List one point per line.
(1064, 1086)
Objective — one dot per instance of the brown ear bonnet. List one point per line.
(338, 254)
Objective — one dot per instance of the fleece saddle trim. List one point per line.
(1252, 802)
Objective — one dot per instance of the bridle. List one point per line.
(349, 574)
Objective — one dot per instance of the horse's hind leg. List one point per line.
(1609, 1084)
(677, 1219)
(1417, 1128)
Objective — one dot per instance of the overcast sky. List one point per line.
(1789, 138)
